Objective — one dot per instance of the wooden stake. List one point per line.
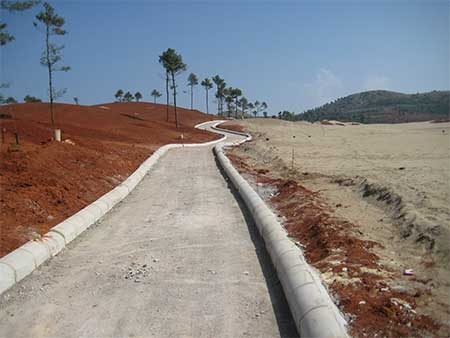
(293, 156)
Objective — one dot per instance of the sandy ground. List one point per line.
(411, 160)
(177, 258)
(43, 182)
(390, 181)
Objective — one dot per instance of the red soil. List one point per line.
(333, 246)
(42, 182)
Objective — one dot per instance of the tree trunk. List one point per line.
(50, 84)
(167, 96)
(192, 97)
(207, 110)
(175, 100)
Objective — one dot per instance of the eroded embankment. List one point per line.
(375, 298)
(411, 224)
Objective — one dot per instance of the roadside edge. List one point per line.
(312, 308)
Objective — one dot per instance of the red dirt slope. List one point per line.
(43, 182)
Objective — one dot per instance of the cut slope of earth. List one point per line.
(43, 182)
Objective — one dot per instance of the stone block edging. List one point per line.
(312, 308)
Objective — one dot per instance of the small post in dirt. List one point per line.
(57, 135)
(16, 134)
(3, 135)
(265, 163)
(292, 162)
(257, 181)
(293, 155)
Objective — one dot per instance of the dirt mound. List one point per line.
(43, 182)
(332, 123)
(136, 121)
(433, 237)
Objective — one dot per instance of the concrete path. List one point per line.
(177, 258)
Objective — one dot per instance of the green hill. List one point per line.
(382, 106)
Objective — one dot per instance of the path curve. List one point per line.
(179, 257)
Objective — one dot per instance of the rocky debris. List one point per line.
(137, 273)
(402, 304)
(408, 272)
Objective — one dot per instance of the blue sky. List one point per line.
(294, 55)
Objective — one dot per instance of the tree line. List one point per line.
(236, 103)
(26, 99)
(127, 97)
(230, 101)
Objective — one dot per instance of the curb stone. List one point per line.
(24, 260)
(312, 308)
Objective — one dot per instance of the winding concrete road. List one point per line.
(179, 257)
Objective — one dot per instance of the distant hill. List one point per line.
(382, 106)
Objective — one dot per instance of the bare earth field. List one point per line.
(366, 202)
(43, 182)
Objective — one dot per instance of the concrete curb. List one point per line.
(314, 312)
(24, 260)
(248, 137)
